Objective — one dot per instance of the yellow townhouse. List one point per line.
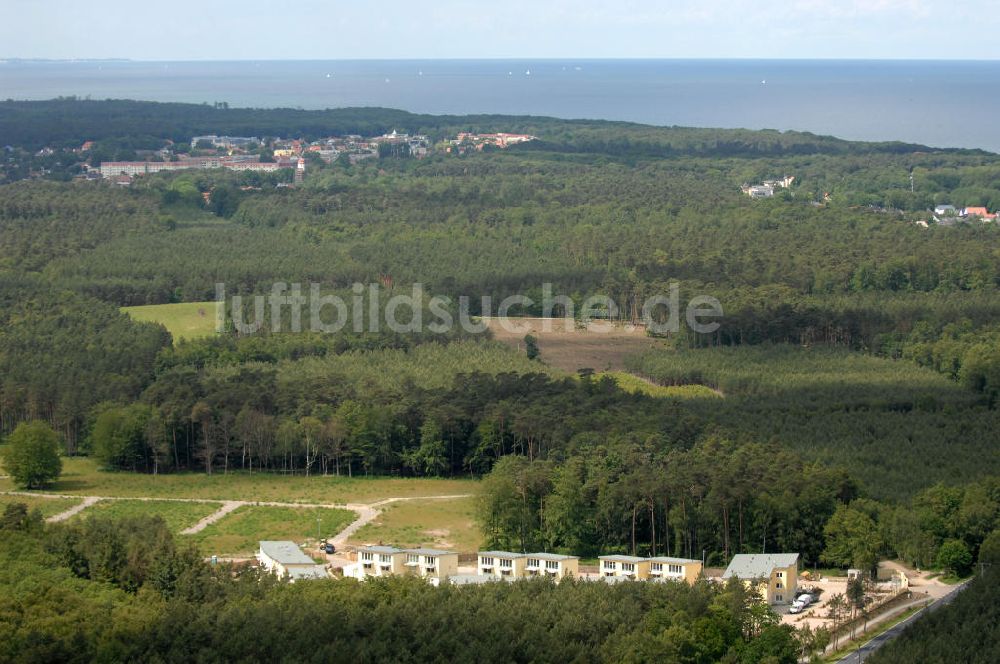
(653, 569)
(626, 567)
(774, 575)
(431, 563)
(551, 564)
(377, 561)
(664, 568)
(501, 563)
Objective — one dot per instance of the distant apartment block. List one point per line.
(774, 575)
(767, 187)
(465, 141)
(111, 169)
(226, 142)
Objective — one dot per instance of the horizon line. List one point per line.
(9, 59)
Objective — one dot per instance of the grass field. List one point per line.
(48, 506)
(177, 515)
(635, 384)
(446, 524)
(81, 476)
(186, 320)
(238, 533)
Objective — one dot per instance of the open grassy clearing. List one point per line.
(81, 476)
(822, 375)
(238, 533)
(177, 515)
(564, 345)
(186, 320)
(448, 524)
(634, 384)
(48, 506)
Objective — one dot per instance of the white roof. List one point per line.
(380, 549)
(551, 556)
(429, 552)
(623, 559)
(673, 561)
(286, 553)
(758, 565)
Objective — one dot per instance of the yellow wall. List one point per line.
(691, 572)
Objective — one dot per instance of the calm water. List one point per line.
(946, 104)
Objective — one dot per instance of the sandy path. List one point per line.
(213, 517)
(73, 511)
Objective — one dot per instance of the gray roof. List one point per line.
(758, 565)
(551, 556)
(380, 549)
(286, 553)
(314, 572)
(623, 559)
(673, 561)
(429, 552)
(501, 554)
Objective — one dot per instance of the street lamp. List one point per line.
(319, 520)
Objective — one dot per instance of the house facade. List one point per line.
(665, 568)
(379, 561)
(551, 564)
(500, 563)
(627, 567)
(653, 569)
(774, 575)
(431, 563)
(390, 561)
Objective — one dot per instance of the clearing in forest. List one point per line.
(184, 320)
(569, 345)
(444, 524)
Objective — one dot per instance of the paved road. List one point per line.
(865, 651)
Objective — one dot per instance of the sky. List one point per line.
(421, 29)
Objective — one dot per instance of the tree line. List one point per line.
(129, 591)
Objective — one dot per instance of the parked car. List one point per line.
(805, 599)
(329, 548)
(796, 608)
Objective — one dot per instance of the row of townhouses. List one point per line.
(773, 575)
(389, 561)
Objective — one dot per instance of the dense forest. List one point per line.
(967, 630)
(127, 592)
(857, 357)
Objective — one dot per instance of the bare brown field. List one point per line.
(568, 347)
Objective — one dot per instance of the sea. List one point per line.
(934, 103)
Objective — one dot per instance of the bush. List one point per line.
(32, 458)
(954, 556)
